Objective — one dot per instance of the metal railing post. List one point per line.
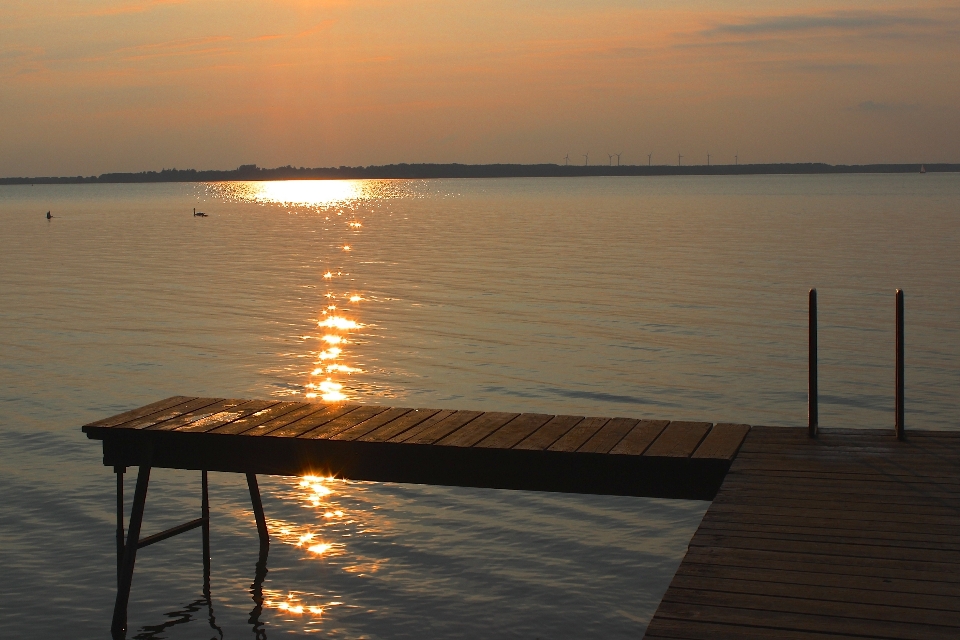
(813, 413)
(899, 376)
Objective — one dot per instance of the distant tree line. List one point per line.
(424, 171)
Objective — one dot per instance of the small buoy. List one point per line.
(48, 215)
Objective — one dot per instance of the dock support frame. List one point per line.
(127, 550)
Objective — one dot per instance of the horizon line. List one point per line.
(430, 170)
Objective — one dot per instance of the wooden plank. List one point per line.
(699, 630)
(679, 440)
(343, 421)
(438, 430)
(510, 434)
(477, 429)
(811, 502)
(197, 414)
(722, 442)
(746, 493)
(865, 517)
(862, 459)
(401, 425)
(842, 549)
(549, 433)
(803, 603)
(896, 585)
(834, 536)
(773, 475)
(772, 466)
(419, 427)
(159, 417)
(303, 409)
(371, 424)
(258, 418)
(777, 622)
(855, 529)
(850, 566)
(312, 420)
(640, 437)
(578, 435)
(838, 595)
(222, 418)
(878, 484)
(139, 412)
(608, 436)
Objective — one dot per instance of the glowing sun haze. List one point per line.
(94, 86)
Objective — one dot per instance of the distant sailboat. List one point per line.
(923, 169)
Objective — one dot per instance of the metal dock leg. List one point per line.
(118, 627)
(119, 471)
(205, 528)
(258, 511)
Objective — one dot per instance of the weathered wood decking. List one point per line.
(577, 454)
(851, 535)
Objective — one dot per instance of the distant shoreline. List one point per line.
(427, 171)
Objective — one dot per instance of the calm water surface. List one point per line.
(679, 298)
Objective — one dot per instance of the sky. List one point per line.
(94, 86)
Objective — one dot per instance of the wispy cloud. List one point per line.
(837, 21)
(124, 8)
(871, 106)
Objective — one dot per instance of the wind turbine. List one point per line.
(586, 158)
(649, 159)
(708, 158)
(678, 159)
(618, 157)
(736, 157)
(566, 159)
(611, 158)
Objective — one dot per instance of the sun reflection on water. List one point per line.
(301, 192)
(319, 194)
(340, 517)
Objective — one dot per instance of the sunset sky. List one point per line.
(94, 86)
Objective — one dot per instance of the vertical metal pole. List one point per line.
(258, 511)
(119, 625)
(205, 514)
(899, 376)
(119, 471)
(813, 413)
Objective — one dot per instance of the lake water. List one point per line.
(673, 297)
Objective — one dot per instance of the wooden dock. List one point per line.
(853, 534)
(850, 535)
(574, 454)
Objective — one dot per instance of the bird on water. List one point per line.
(48, 215)
(199, 214)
